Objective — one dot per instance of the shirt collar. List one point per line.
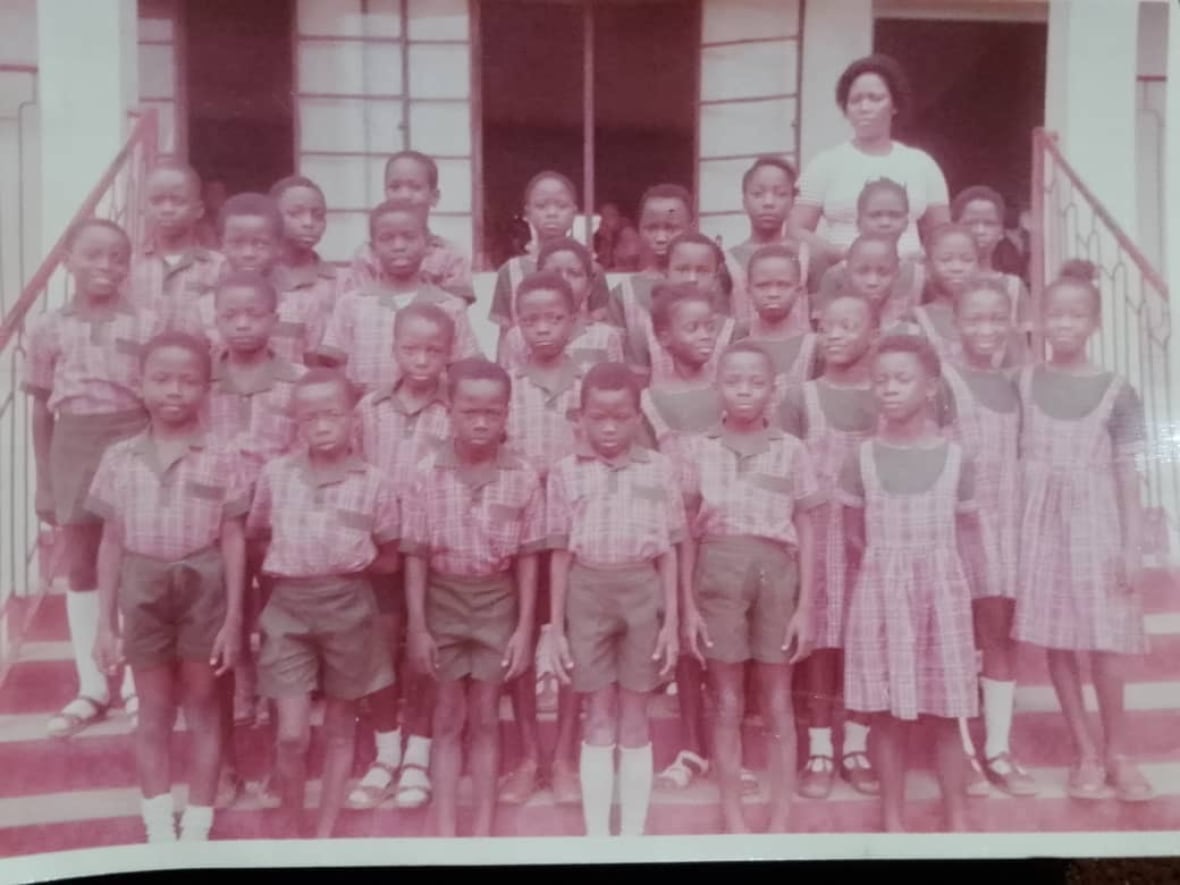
(745, 444)
(288, 279)
(439, 395)
(330, 475)
(120, 304)
(556, 384)
(193, 253)
(273, 371)
(636, 454)
(146, 447)
(480, 475)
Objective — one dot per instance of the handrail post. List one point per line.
(1036, 265)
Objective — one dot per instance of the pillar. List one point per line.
(1171, 249)
(835, 33)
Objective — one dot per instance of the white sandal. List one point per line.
(374, 788)
(413, 787)
(684, 768)
(78, 714)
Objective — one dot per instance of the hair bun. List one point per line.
(1079, 269)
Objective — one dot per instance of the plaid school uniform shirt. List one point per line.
(541, 415)
(748, 484)
(325, 522)
(360, 332)
(470, 521)
(446, 266)
(170, 287)
(392, 438)
(590, 344)
(253, 418)
(168, 510)
(614, 513)
(86, 365)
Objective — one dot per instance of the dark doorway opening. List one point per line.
(645, 102)
(979, 91)
(239, 81)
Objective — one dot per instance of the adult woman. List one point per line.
(872, 91)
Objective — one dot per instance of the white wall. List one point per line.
(20, 148)
(835, 33)
(159, 71)
(1151, 117)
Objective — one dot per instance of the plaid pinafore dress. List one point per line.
(829, 448)
(909, 649)
(1071, 548)
(991, 440)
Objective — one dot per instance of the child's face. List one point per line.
(251, 243)
(571, 267)
(550, 209)
(774, 288)
(691, 334)
(408, 181)
(663, 219)
(174, 385)
(173, 202)
(901, 386)
(245, 319)
(1070, 318)
(546, 323)
(953, 260)
(610, 420)
(984, 321)
(99, 261)
(846, 331)
(693, 263)
(324, 417)
(885, 212)
(746, 384)
(399, 242)
(421, 350)
(872, 270)
(768, 197)
(982, 218)
(479, 412)
(304, 216)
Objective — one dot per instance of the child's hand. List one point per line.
(518, 655)
(696, 634)
(227, 647)
(560, 659)
(108, 651)
(423, 651)
(796, 642)
(667, 649)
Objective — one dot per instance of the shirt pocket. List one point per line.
(779, 485)
(649, 503)
(504, 526)
(355, 521)
(206, 493)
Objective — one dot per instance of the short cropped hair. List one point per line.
(918, 347)
(248, 279)
(253, 205)
(666, 297)
(667, 192)
(546, 281)
(283, 185)
(983, 283)
(748, 346)
(887, 68)
(391, 207)
(950, 229)
(610, 377)
(477, 368)
(426, 161)
(866, 239)
(198, 346)
(566, 244)
(324, 375)
(551, 175)
(78, 228)
(172, 164)
(786, 251)
(773, 162)
(978, 193)
(431, 313)
(881, 185)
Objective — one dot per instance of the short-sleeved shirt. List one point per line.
(833, 181)
(323, 522)
(905, 470)
(1067, 396)
(471, 521)
(253, 417)
(168, 511)
(590, 343)
(503, 308)
(85, 363)
(622, 512)
(394, 439)
(168, 284)
(446, 266)
(748, 484)
(360, 332)
(542, 414)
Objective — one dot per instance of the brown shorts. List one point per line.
(323, 633)
(77, 445)
(471, 621)
(746, 589)
(172, 611)
(613, 619)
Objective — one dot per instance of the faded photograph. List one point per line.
(425, 419)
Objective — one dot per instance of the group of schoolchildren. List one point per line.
(758, 473)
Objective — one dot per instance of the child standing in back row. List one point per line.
(300, 272)
(1082, 438)
(982, 210)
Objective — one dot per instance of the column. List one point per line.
(1170, 218)
(87, 55)
(835, 33)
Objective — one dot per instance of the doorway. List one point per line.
(645, 103)
(239, 82)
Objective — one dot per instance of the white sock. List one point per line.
(635, 777)
(965, 737)
(998, 700)
(596, 766)
(389, 747)
(856, 737)
(82, 615)
(819, 742)
(195, 823)
(127, 689)
(158, 818)
(417, 751)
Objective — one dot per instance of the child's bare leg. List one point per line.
(564, 770)
(727, 687)
(518, 785)
(293, 735)
(449, 718)
(690, 680)
(820, 672)
(993, 628)
(383, 712)
(887, 750)
(203, 696)
(1067, 683)
(413, 787)
(596, 763)
(339, 745)
(1109, 682)
(635, 762)
(952, 772)
(778, 719)
(483, 704)
(153, 733)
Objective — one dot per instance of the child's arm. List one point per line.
(696, 635)
(423, 652)
(43, 424)
(1128, 431)
(227, 645)
(518, 655)
(108, 651)
(798, 641)
(559, 574)
(668, 642)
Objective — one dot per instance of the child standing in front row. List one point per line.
(82, 370)
(474, 525)
(1082, 436)
(329, 521)
(833, 415)
(614, 514)
(746, 572)
(171, 568)
(775, 275)
(915, 549)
